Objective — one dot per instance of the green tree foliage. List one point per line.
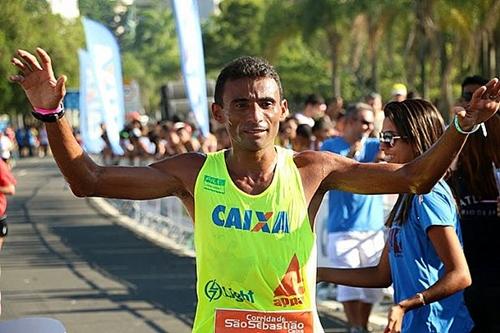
(429, 45)
(155, 50)
(147, 39)
(101, 11)
(293, 60)
(346, 47)
(256, 28)
(21, 25)
(234, 32)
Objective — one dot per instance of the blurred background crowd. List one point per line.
(145, 139)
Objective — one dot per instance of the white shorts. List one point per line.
(354, 249)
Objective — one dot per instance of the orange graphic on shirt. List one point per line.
(262, 223)
(290, 291)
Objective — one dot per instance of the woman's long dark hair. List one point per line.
(422, 125)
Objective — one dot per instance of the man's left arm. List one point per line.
(421, 174)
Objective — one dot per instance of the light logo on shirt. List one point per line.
(233, 217)
(214, 291)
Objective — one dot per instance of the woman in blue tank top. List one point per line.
(423, 256)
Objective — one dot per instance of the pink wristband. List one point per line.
(47, 112)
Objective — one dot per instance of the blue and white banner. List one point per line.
(192, 60)
(91, 116)
(105, 55)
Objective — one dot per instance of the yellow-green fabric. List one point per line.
(245, 244)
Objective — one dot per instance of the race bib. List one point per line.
(240, 321)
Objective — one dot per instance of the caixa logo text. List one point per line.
(250, 220)
(214, 291)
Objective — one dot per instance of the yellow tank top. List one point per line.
(255, 254)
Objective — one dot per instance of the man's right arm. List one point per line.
(174, 176)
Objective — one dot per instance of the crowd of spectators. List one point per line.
(146, 141)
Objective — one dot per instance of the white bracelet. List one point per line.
(460, 130)
(420, 296)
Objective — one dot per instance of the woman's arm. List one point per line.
(367, 277)
(457, 276)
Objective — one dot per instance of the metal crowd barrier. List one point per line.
(166, 216)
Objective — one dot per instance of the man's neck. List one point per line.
(351, 138)
(240, 162)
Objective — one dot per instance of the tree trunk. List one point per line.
(421, 13)
(333, 41)
(446, 94)
(374, 35)
(374, 71)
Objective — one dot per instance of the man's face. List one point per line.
(398, 98)
(467, 92)
(251, 112)
(315, 110)
(184, 134)
(362, 124)
(289, 129)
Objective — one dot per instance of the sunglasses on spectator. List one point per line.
(467, 96)
(389, 138)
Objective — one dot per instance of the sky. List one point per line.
(66, 8)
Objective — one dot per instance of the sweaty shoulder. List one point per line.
(311, 159)
(313, 167)
(183, 167)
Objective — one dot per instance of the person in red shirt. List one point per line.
(7, 187)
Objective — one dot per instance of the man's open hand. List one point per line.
(38, 80)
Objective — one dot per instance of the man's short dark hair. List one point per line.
(475, 79)
(245, 67)
(304, 131)
(314, 99)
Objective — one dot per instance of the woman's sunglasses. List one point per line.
(389, 138)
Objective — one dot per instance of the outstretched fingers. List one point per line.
(495, 92)
(487, 91)
(61, 85)
(17, 78)
(46, 61)
(20, 65)
(29, 59)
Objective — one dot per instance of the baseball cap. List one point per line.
(399, 89)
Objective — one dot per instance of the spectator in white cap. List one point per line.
(399, 92)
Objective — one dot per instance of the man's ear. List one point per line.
(284, 109)
(218, 113)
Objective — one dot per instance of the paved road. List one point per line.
(64, 259)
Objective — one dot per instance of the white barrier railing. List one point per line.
(166, 216)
